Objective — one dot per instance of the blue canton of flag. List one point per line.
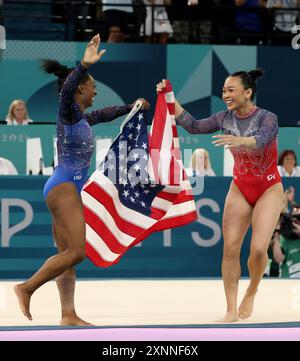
(126, 165)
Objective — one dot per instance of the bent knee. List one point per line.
(76, 255)
(258, 255)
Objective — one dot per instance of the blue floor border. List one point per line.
(235, 325)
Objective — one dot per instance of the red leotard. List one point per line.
(255, 168)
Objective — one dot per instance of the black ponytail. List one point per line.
(248, 79)
(61, 71)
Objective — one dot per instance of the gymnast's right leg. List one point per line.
(66, 208)
(236, 221)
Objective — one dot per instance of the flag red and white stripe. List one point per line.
(111, 227)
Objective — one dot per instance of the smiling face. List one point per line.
(289, 161)
(19, 111)
(234, 94)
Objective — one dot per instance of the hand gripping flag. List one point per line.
(141, 186)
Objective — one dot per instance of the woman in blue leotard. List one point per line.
(75, 144)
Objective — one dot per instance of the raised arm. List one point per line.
(67, 105)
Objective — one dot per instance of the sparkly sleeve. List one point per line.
(203, 126)
(106, 114)
(268, 130)
(67, 106)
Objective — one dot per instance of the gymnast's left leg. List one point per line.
(264, 220)
(66, 288)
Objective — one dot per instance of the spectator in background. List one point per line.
(272, 269)
(200, 164)
(289, 200)
(286, 249)
(17, 113)
(7, 167)
(248, 22)
(158, 29)
(287, 164)
(118, 18)
(284, 20)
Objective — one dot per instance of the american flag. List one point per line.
(141, 186)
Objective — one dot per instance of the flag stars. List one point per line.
(135, 156)
(132, 199)
(140, 116)
(143, 204)
(123, 181)
(137, 194)
(125, 193)
(137, 167)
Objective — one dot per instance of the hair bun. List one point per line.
(254, 74)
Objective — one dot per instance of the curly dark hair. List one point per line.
(61, 71)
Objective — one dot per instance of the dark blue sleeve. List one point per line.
(106, 114)
(203, 126)
(69, 110)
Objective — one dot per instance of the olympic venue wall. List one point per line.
(194, 250)
(129, 71)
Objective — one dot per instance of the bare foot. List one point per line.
(229, 318)
(23, 299)
(246, 306)
(73, 320)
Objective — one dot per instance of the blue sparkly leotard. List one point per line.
(75, 140)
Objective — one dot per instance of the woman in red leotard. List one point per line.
(256, 195)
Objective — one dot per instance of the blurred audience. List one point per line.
(159, 29)
(7, 167)
(200, 164)
(283, 20)
(17, 113)
(287, 164)
(286, 247)
(118, 18)
(248, 21)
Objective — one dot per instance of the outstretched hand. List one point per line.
(91, 55)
